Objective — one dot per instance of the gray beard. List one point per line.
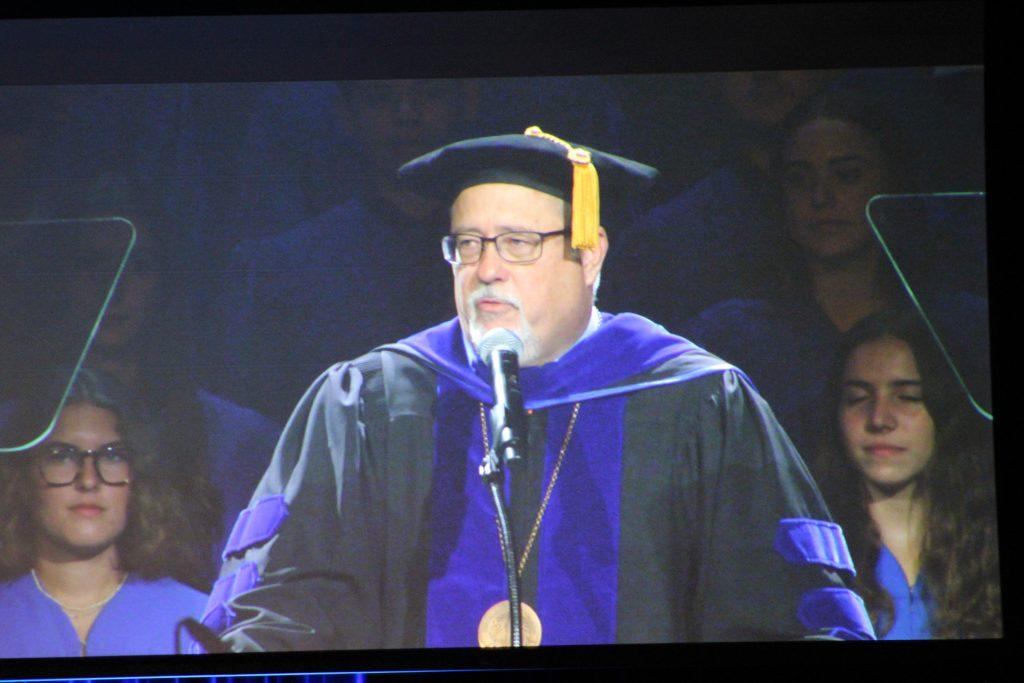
(477, 329)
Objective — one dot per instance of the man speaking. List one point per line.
(651, 496)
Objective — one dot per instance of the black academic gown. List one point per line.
(706, 476)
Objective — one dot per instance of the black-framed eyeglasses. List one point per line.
(514, 247)
(60, 464)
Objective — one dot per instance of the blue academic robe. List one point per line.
(912, 605)
(139, 620)
(682, 512)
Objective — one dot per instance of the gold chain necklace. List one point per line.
(87, 608)
(495, 625)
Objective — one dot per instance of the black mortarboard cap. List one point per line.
(579, 175)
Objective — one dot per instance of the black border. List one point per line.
(506, 39)
(472, 43)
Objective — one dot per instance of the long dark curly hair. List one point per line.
(959, 562)
(173, 517)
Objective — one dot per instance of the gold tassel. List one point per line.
(586, 206)
(586, 193)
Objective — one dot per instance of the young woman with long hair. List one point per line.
(97, 542)
(908, 474)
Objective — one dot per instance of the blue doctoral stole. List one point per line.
(576, 550)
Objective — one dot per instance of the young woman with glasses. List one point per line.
(92, 555)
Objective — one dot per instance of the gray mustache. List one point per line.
(489, 293)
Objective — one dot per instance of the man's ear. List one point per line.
(593, 259)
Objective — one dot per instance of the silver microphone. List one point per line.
(500, 349)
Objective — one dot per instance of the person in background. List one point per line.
(829, 272)
(144, 341)
(719, 227)
(908, 474)
(316, 292)
(94, 536)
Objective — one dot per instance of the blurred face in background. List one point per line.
(830, 169)
(129, 309)
(763, 99)
(399, 120)
(886, 427)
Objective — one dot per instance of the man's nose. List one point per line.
(491, 267)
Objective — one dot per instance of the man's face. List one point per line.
(546, 302)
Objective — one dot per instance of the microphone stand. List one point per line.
(500, 350)
(507, 424)
(490, 471)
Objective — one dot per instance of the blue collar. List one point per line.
(607, 362)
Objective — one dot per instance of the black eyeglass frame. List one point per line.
(448, 245)
(116, 448)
